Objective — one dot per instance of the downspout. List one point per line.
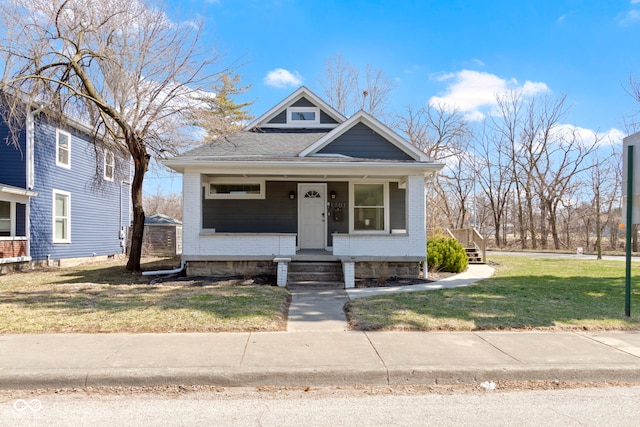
(165, 272)
(122, 231)
(29, 167)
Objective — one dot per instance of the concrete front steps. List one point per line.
(325, 274)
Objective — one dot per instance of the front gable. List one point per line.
(363, 136)
(363, 142)
(300, 110)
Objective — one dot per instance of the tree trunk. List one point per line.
(141, 162)
(598, 226)
(521, 226)
(531, 223)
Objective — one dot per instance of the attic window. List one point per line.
(301, 116)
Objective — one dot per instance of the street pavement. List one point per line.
(317, 350)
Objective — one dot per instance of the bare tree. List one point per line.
(495, 176)
(348, 92)
(506, 123)
(122, 65)
(165, 204)
(443, 135)
(340, 84)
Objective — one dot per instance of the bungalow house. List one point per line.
(304, 183)
(62, 197)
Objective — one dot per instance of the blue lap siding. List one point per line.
(98, 207)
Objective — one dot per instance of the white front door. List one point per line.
(312, 229)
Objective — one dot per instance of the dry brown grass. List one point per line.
(102, 297)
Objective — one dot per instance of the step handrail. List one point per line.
(470, 237)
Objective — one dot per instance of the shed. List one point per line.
(162, 236)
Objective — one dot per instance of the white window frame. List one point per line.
(238, 181)
(12, 218)
(112, 164)
(352, 210)
(303, 123)
(67, 238)
(68, 136)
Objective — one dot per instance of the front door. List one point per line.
(312, 230)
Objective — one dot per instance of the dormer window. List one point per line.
(302, 116)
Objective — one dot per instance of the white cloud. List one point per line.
(629, 18)
(281, 78)
(612, 136)
(474, 92)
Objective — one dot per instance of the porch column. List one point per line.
(192, 215)
(416, 218)
(349, 271)
(283, 267)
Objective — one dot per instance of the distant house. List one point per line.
(304, 183)
(62, 197)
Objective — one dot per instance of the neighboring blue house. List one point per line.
(62, 197)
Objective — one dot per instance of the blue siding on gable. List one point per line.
(280, 119)
(363, 142)
(13, 159)
(326, 119)
(95, 203)
(303, 102)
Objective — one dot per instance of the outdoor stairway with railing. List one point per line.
(473, 242)
(315, 274)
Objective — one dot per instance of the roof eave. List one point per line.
(261, 167)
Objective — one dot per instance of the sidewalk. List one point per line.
(315, 358)
(318, 351)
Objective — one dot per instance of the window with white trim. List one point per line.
(5, 219)
(370, 206)
(236, 189)
(63, 149)
(300, 116)
(109, 165)
(61, 217)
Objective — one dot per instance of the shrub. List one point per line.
(446, 254)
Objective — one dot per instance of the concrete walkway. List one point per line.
(474, 273)
(318, 309)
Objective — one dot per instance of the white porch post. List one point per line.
(192, 213)
(348, 269)
(283, 266)
(416, 218)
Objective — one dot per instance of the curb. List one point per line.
(16, 379)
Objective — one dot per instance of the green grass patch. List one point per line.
(103, 297)
(524, 293)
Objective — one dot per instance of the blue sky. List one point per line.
(460, 52)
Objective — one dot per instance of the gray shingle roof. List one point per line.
(259, 143)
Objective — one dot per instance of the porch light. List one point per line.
(292, 194)
(332, 194)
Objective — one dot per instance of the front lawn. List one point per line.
(524, 293)
(102, 297)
